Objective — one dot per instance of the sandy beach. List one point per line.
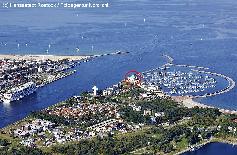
(190, 103)
(42, 57)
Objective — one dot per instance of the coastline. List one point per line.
(190, 149)
(206, 142)
(43, 57)
(55, 57)
(189, 102)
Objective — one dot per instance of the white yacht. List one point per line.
(19, 92)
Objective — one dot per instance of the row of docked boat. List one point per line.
(179, 83)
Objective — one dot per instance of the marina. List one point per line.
(181, 83)
(231, 84)
(189, 82)
(184, 86)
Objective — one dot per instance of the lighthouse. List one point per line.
(95, 89)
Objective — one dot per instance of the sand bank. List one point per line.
(188, 102)
(42, 57)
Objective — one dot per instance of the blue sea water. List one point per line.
(214, 149)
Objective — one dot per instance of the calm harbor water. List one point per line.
(200, 33)
(214, 149)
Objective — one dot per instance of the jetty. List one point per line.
(113, 53)
(231, 84)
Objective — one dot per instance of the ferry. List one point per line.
(19, 92)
